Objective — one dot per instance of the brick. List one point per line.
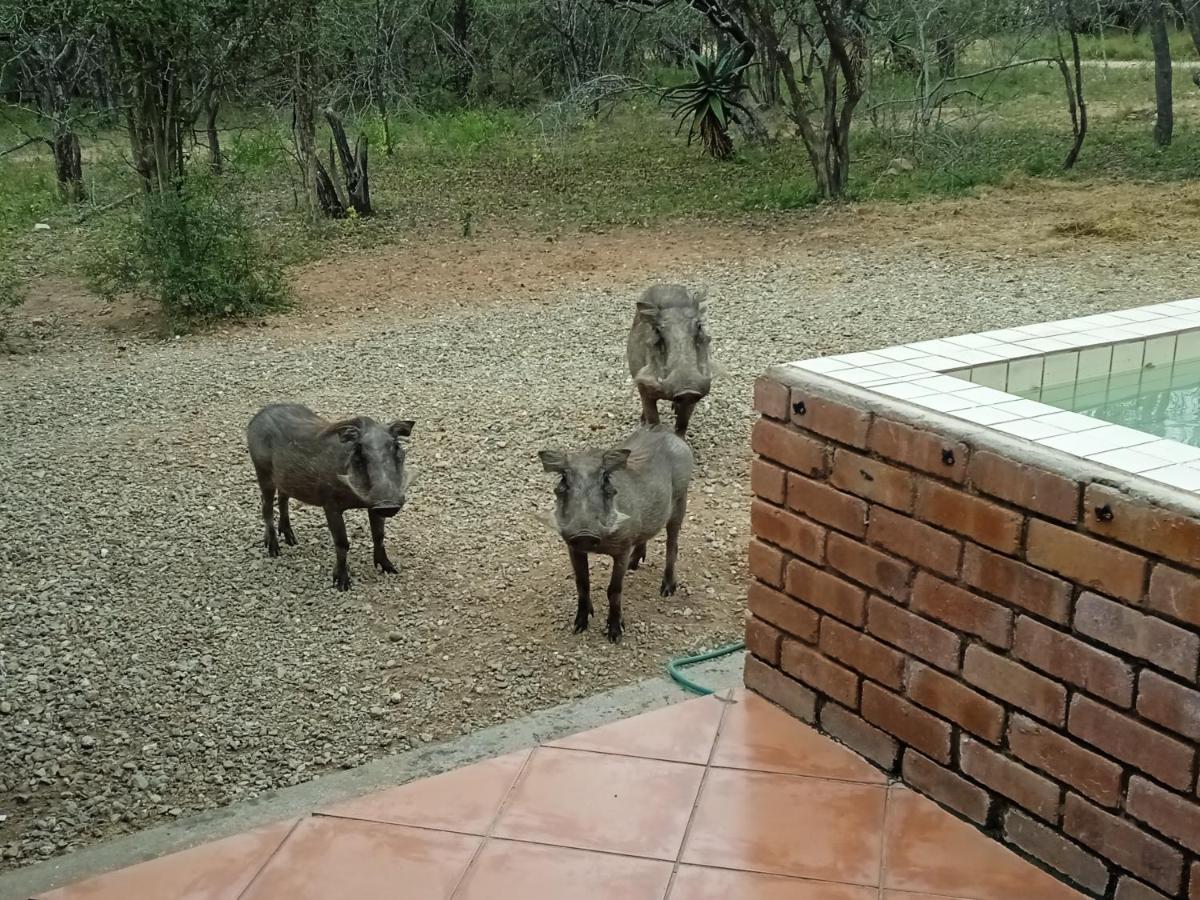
(1131, 889)
(962, 610)
(763, 640)
(787, 530)
(1194, 890)
(1168, 760)
(772, 399)
(1176, 594)
(864, 739)
(953, 700)
(945, 787)
(780, 690)
(1073, 661)
(919, 449)
(920, 637)
(820, 673)
(1025, 486)
(1164, 645)
(873, 480)
(1014, 684)
(1122, 842)
(907, 722)
(766, 563)
(768, 481)
(1026, 788)
(826, 592)
(1016, 583)
(974, 517)
(783, 612)
(1085, 560)
(1056, 851)
(1089, 773)
(862, 653)
(914, 541)
(1171, 815)
(870, 567)
(789, 448)
(845, 424)
(1169, 704)
(827, 505)
(1143, 525)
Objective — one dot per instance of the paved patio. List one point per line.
(720, 798)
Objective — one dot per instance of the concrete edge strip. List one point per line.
(390, 771)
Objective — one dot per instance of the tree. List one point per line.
(1073, 78)
(55, 60)
(1164, 121)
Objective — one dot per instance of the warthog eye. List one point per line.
(606, 486)
(659, 341)
(561, 488)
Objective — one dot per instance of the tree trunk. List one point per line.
(305, 107)
(68, 165)
(1075, 99)
(1164, 121)
(211, 105)
(461, 26)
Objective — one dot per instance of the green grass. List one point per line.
(1114, 44)
(501, 168)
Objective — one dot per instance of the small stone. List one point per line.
(426, 737)
(87, 741)
(5, 707)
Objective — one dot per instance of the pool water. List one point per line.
(1163, 401)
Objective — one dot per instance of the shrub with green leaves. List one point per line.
(192, 250)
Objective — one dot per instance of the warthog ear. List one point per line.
(348, 432)
(647, 308)
(553, 460)
(615, 459)
(401, 427)
(700, 295)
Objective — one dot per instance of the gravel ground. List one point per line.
(154, 661)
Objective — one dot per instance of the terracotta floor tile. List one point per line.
(757, 735)
(332, 859)
(508, 870)
(909, 895)
(595, 801)
(683, 732)
(929, 850)
(464, 799)
(219, 870)
(784, 825)
(697, 883)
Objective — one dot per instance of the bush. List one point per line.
(192, 250)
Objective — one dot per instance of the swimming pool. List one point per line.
(1121, 388)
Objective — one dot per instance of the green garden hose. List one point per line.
(674, 665)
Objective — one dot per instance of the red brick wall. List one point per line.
(1020, 644)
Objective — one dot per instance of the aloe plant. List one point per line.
(709, 102)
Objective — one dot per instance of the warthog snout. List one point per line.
(687, 397)
(585, 542)
(387, 510)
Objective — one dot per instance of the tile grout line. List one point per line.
(487, 836)
(883, 836)
(266, 862)
(727, 768)
(726, 703)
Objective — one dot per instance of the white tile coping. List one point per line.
(917, 373)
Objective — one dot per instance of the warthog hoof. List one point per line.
(667, 589)
(615, 629)
(341, 579)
